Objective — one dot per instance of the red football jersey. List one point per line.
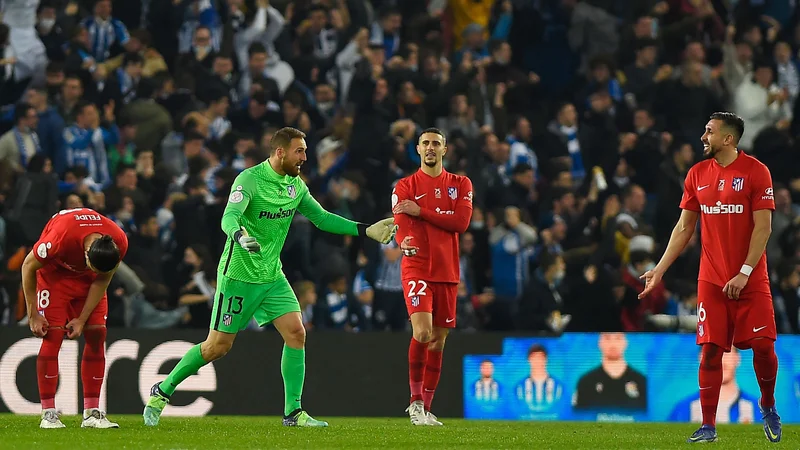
(726, 197)
(445, 211)
(60, 246)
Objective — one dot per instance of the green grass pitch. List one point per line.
(228, 432)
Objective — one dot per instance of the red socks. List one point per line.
(710, 378)
(93, 366)
(433, 370)
(417, 355)
(765, 363)
(47, 367)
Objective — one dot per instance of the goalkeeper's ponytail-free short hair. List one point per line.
(283, 138)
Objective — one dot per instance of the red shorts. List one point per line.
(60, 300)
(722, 321)
(439, 299)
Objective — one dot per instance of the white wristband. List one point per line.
(747, 270)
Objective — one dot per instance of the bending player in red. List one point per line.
(431, 208)
(64, 279)
(732, 194)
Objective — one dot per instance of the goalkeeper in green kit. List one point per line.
(250, 282)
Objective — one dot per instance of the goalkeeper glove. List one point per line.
(248, 243)
(382, 231)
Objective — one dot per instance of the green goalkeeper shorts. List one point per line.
(236, 302)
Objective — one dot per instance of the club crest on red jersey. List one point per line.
(721, 185)
(452, 192)
(437, 193)
(737, 184)
(291, 191)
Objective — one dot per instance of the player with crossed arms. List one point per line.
(64, 280)
(250, 280)
(732, 194)
(431, 207)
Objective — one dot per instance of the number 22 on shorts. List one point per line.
(414, 294)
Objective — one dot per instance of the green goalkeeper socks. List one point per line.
(293, 369)
(191, 362)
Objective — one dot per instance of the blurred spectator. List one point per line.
(576, 120)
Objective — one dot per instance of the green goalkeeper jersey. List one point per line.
(264, 203)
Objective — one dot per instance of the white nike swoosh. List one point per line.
(756, 330)
(96, 378)
(419, 196)
(704, 388)
(449, 320)
(702, 187)
(50, 376)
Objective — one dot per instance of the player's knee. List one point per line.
(711, 356)
(51, 343)
(436, 344)
(95, 336)
(437, 340)
(295, 336)
(762, 347)
(423, 334)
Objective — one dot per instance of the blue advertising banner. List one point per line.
(619, 377)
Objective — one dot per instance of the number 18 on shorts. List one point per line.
(438, 299)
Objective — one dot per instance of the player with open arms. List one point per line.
(431, 207)
(732, 194)
(250, 280)
(64, 280)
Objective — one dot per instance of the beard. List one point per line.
(710, 151)
(291, 169)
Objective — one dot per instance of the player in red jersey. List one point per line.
(431, 208)
(732, 194)
(64, 279)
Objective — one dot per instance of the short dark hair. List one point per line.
(255, 47)
(104, 254)
(255, 154)
(537, 348)
(193, 182)
(80, 108)
(21, 111)
(547, 260)
(125, 166)
(731, 121)
(132, 58)
(283, 137)
(434, 131)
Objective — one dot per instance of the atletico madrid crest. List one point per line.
(737, 184)
(452, 192)
(291, 191)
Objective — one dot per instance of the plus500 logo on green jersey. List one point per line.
(280, 214)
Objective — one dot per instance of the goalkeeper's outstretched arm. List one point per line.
(382, 231)
(239, 198)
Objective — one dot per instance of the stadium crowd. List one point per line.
(575, 120)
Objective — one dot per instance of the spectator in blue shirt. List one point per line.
(86, 141)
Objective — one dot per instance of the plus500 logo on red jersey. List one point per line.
(720, 208)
